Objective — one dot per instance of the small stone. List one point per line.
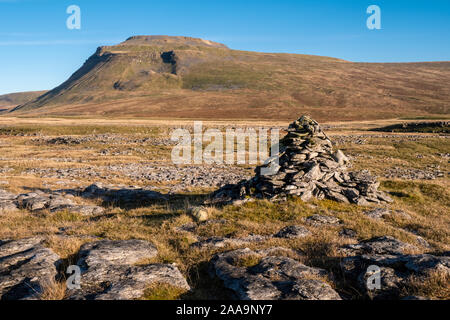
(317, 220)
(199, 213)
(377, 213)
(340, 157)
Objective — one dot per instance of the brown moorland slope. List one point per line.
(11, 100)
(181, 77)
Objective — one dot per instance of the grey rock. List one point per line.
(33, 201)
(200, 214)
(26, 267)
(222, 242)
(396, 267)
(424, 243)
(340, 157)
(109, 270)
(5, 195)
(380, 245)
(318, 220)
(7, 206)
(84, 210)
(292, 232)
(119, 252)
(38, 200)
(311, 289)
(273, 278)
(429, 173)
(378, 213)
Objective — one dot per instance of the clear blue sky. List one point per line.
(38, 52)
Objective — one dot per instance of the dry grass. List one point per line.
(426, 202)
(434, 286)
(53, 290)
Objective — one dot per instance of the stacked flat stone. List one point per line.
(307, 168)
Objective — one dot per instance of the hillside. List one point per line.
(180, 77)
(14, 99)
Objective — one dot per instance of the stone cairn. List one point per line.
(308, 167)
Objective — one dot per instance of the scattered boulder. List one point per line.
(7, 196)
(424, 243)
(306, 167)
(85, 210)
(109, 270)
(200, 214)
(39, 200)
(425, 126)
(109, 252)
(293, 232)
(377, 213)
(33, 201)
(318, 220)
(222, 242)
(26, 267)
(384, 245)
(270, 277)
(428, 173)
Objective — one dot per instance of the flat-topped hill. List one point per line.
(183, 77)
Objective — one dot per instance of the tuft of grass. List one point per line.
(435, 285)
(248, 261)
(53, 290)
(163, 291)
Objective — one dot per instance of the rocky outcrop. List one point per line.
(307, 167)
(222, 242)
(426, 126)
(26, 267)
(109, 270)
(7, 202)
(288, 232)
(271, 277)
(395, 265)
(38, 200)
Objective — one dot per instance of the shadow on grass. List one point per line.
(129, 199)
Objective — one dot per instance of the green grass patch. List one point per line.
(163, 291)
